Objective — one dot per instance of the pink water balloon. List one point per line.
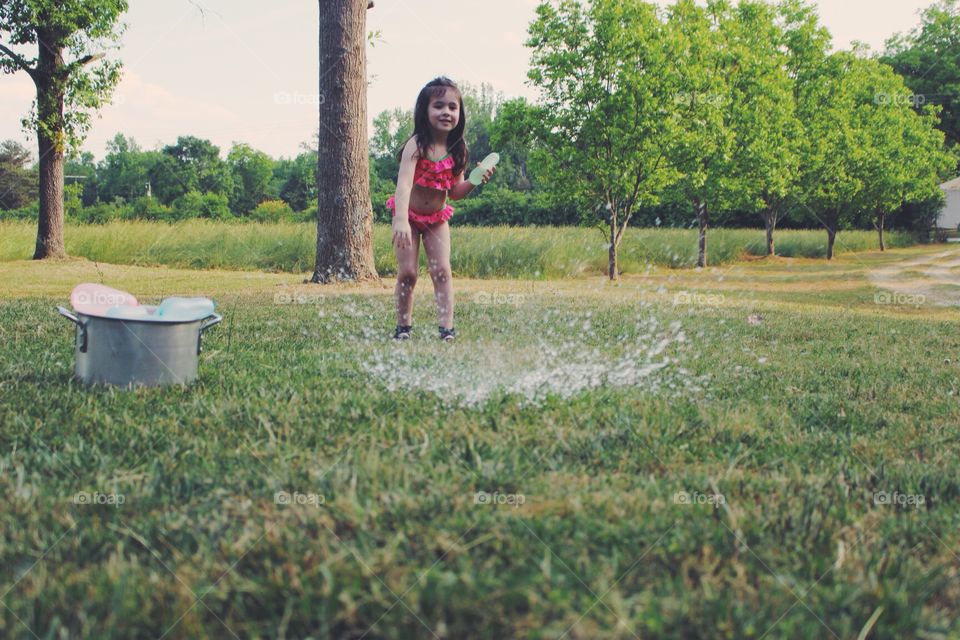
(95, 299)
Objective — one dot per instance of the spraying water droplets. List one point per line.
(550, 364)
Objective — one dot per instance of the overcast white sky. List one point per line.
(247, 70)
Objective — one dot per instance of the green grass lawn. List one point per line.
(760, 450)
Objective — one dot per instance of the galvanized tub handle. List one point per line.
(214, 318)
(83, 327)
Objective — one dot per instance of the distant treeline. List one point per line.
(191, 179)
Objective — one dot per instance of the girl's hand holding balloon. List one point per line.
(484, 170)
(487, 174)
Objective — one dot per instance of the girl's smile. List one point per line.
(445, 110)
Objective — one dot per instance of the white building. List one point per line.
(950, 214)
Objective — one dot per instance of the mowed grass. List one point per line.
(476, 252)
(740, 492)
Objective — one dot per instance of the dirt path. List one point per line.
(929, 279)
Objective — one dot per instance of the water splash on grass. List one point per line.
(469, 373)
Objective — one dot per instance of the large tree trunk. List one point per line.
(880, 219)
(344, 213)
(50, 80)
(701, 209)
(50, 242)
(770, 220)
(612, 258)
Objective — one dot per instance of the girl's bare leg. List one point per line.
(408, 267)
(436, 242)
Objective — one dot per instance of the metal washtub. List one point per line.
(129, 352)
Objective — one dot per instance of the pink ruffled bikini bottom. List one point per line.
(421, 221)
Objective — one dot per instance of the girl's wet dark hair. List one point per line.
(456, 145)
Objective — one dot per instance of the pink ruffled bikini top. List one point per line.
(435, 174)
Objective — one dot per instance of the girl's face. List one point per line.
(444, 111)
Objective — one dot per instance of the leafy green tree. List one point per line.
(282, 168)
(299, 189)
(18, 184)
(480, 105)
(701, 117)
(805, 44)
(762, 108)
(601, 126)
(511, 136)
(920, 215)
(200, 166)
(252, 172)
(391, 128)
(902, 152)
(831, 150)
(72, 202)
(928, 58)
(193, 204)
(192, 164)
(169, 178)
(824, 95)
(148, 208)
(67, 90)
(124, 172)
(80, 168)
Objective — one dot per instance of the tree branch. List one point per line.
(85, 60)
(20, 62)
(636, 188)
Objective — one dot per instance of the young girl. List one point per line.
(432, 163)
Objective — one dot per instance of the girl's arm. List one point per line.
(461, 188)
(408, 166)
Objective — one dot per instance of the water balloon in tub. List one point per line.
(476, 176)
(177, 308)
(126, 312)
(95, 299)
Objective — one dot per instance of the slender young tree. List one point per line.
(903, 151)
(801, 45)
(703, 117)
(601, 131)
(766, 128)
(832, 153)
(69, 36)
(344, 211)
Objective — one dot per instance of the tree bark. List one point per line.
(701, 209)
(880, 219)
(50, 79)
(344, 212)
(612, 258)
(770, 218)
(831, 235)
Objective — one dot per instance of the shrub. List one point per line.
(28, 212)
(101, 213)
(496, 206)
(147, 208)
(193, 204)
(271, 211)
